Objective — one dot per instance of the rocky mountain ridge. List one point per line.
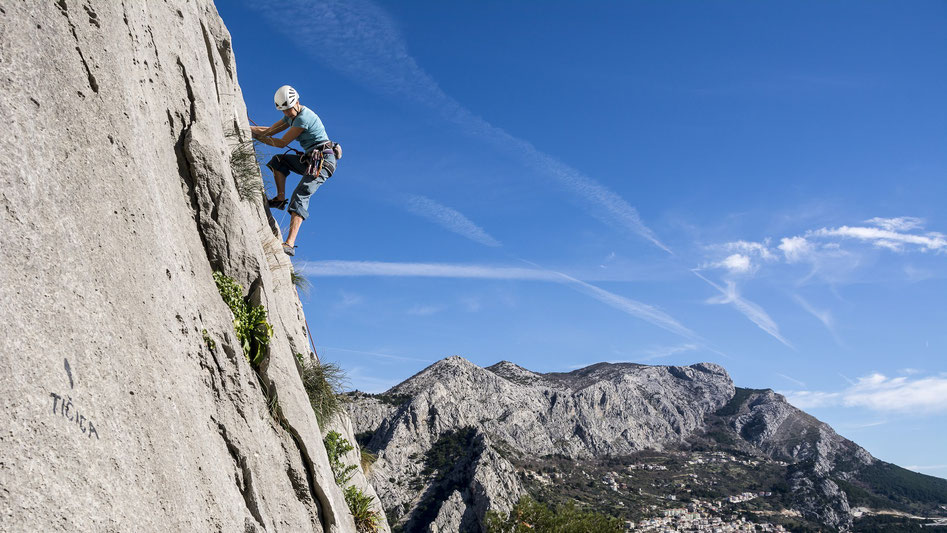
(495, 420)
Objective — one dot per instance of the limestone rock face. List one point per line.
(127, 401)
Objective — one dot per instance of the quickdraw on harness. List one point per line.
(314, 158)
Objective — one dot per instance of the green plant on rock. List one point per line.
(336, 447)
(323, 383)
(249, 321)
(360, 505)
(211, 344)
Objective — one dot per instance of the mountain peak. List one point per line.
(443, 371)
(514, 372)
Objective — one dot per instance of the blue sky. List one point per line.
(756, 184)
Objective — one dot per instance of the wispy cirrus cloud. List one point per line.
(643, 311)
(667, 351)
(360, 378)
(760, 249)
(921, 468)
(348, 299)
(824, 316)
(423, 270)
(448, 218)
(924, 395)
(756, 314)
(330, 350)
(794, 380)
(648, 313)
(886, 238)
(360, 39)
(864, 425)
(426, 310)
(897, 223)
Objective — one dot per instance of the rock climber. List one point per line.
(315, 165)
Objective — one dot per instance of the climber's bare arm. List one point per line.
(284, 141)
(262, 131)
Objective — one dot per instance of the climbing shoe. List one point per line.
(290, 250)
(278, 204)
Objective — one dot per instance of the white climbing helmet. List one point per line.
(285, 97)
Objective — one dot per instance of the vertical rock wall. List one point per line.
(127, 402)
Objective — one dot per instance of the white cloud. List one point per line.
(425, 270)
(426, 310)
(794, 380)
(878, 392)
(450, 219)
(326, 351)
(823, 249)
(811, 399)
(733, 264)
(361, 380)
(472, 303)
(795, 248)
(896, 224)
(667, 351)
(760, 249)
(868, 424)
(881, 393)
(349, 299)
(754, 312)
(743, 257)
(824, 316)
(634, 308)
(918, 468)
(608, 259)
(886, 238)
(737, 263)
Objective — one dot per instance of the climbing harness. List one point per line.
(316, 157)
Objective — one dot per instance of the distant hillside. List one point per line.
(627, 440)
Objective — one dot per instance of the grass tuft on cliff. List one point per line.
(245, 163)
(368, 459)
(300, 281)
(323, 383)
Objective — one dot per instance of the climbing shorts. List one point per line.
(287, 163)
